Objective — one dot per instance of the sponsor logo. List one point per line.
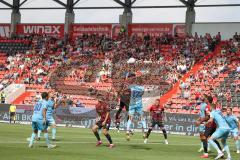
(28, 29)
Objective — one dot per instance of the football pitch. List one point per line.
(79, 144)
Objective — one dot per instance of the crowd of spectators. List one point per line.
(210, 79)
(161, 61)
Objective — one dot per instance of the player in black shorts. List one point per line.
(157, 115)
(103, 111)
(124, 102)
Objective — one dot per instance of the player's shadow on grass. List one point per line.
(157, 142)
(140, 147)
(42, 146)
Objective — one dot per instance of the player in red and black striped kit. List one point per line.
(103, 122)
(157, 117)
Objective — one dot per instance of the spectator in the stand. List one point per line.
(38, 96)
(197, 96)
(238, 68)
(3, 97)
(79, 104)
(186, 94)
(183, 85)
(228, 97)
(237, 89)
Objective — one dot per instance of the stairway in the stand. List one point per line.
(167, 96)
(21, 98)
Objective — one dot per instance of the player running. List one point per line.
(39, 120)
(234, 125)
(221, 132)
(50, 119)
(135, 105)
(103, 122)
(157, 114)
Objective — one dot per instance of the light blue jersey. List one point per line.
(135, 105)
(233, 124)
(38, 110)
(136, 95)
(219, 119)
(223, 129)
(232, 121)
(50, 109)
(202, 110)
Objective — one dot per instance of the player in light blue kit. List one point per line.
(234, 125)
(50, 119)
(221, 132)
(39, 121)
(135, 105)
(202, 115)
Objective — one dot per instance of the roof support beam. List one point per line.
(184, 2)
(23, 2)
(15, 17)
(76, 2)
(120, 2)
(6, 3)
(133, 1)
(190, 16)
(60, 2)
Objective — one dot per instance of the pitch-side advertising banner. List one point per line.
(183, 124)
(4, 30)
(41, 29)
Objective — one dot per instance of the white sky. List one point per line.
(221, 14)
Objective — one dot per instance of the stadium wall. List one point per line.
(227, 29)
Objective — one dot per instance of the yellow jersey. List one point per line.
(12, 108)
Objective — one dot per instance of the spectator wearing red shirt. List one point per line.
(103, 121)
(157, 118)
(197, 97)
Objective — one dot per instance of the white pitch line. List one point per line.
(116, 142)
(156, 143)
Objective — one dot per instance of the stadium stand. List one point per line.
(82, 67)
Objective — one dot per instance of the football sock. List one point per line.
(32, 138)
(218, 144)
(129, 122)
(144, 125)
(54, 131)
(201, 144)
(149, 132)
(109, 138)
(214, 145)
(205, 146)
(237, 142)
(97, 135)
(39, 133)
(226, 148)
(46, 138)
(164, 133)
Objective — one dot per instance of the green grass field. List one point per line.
(79, 144)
